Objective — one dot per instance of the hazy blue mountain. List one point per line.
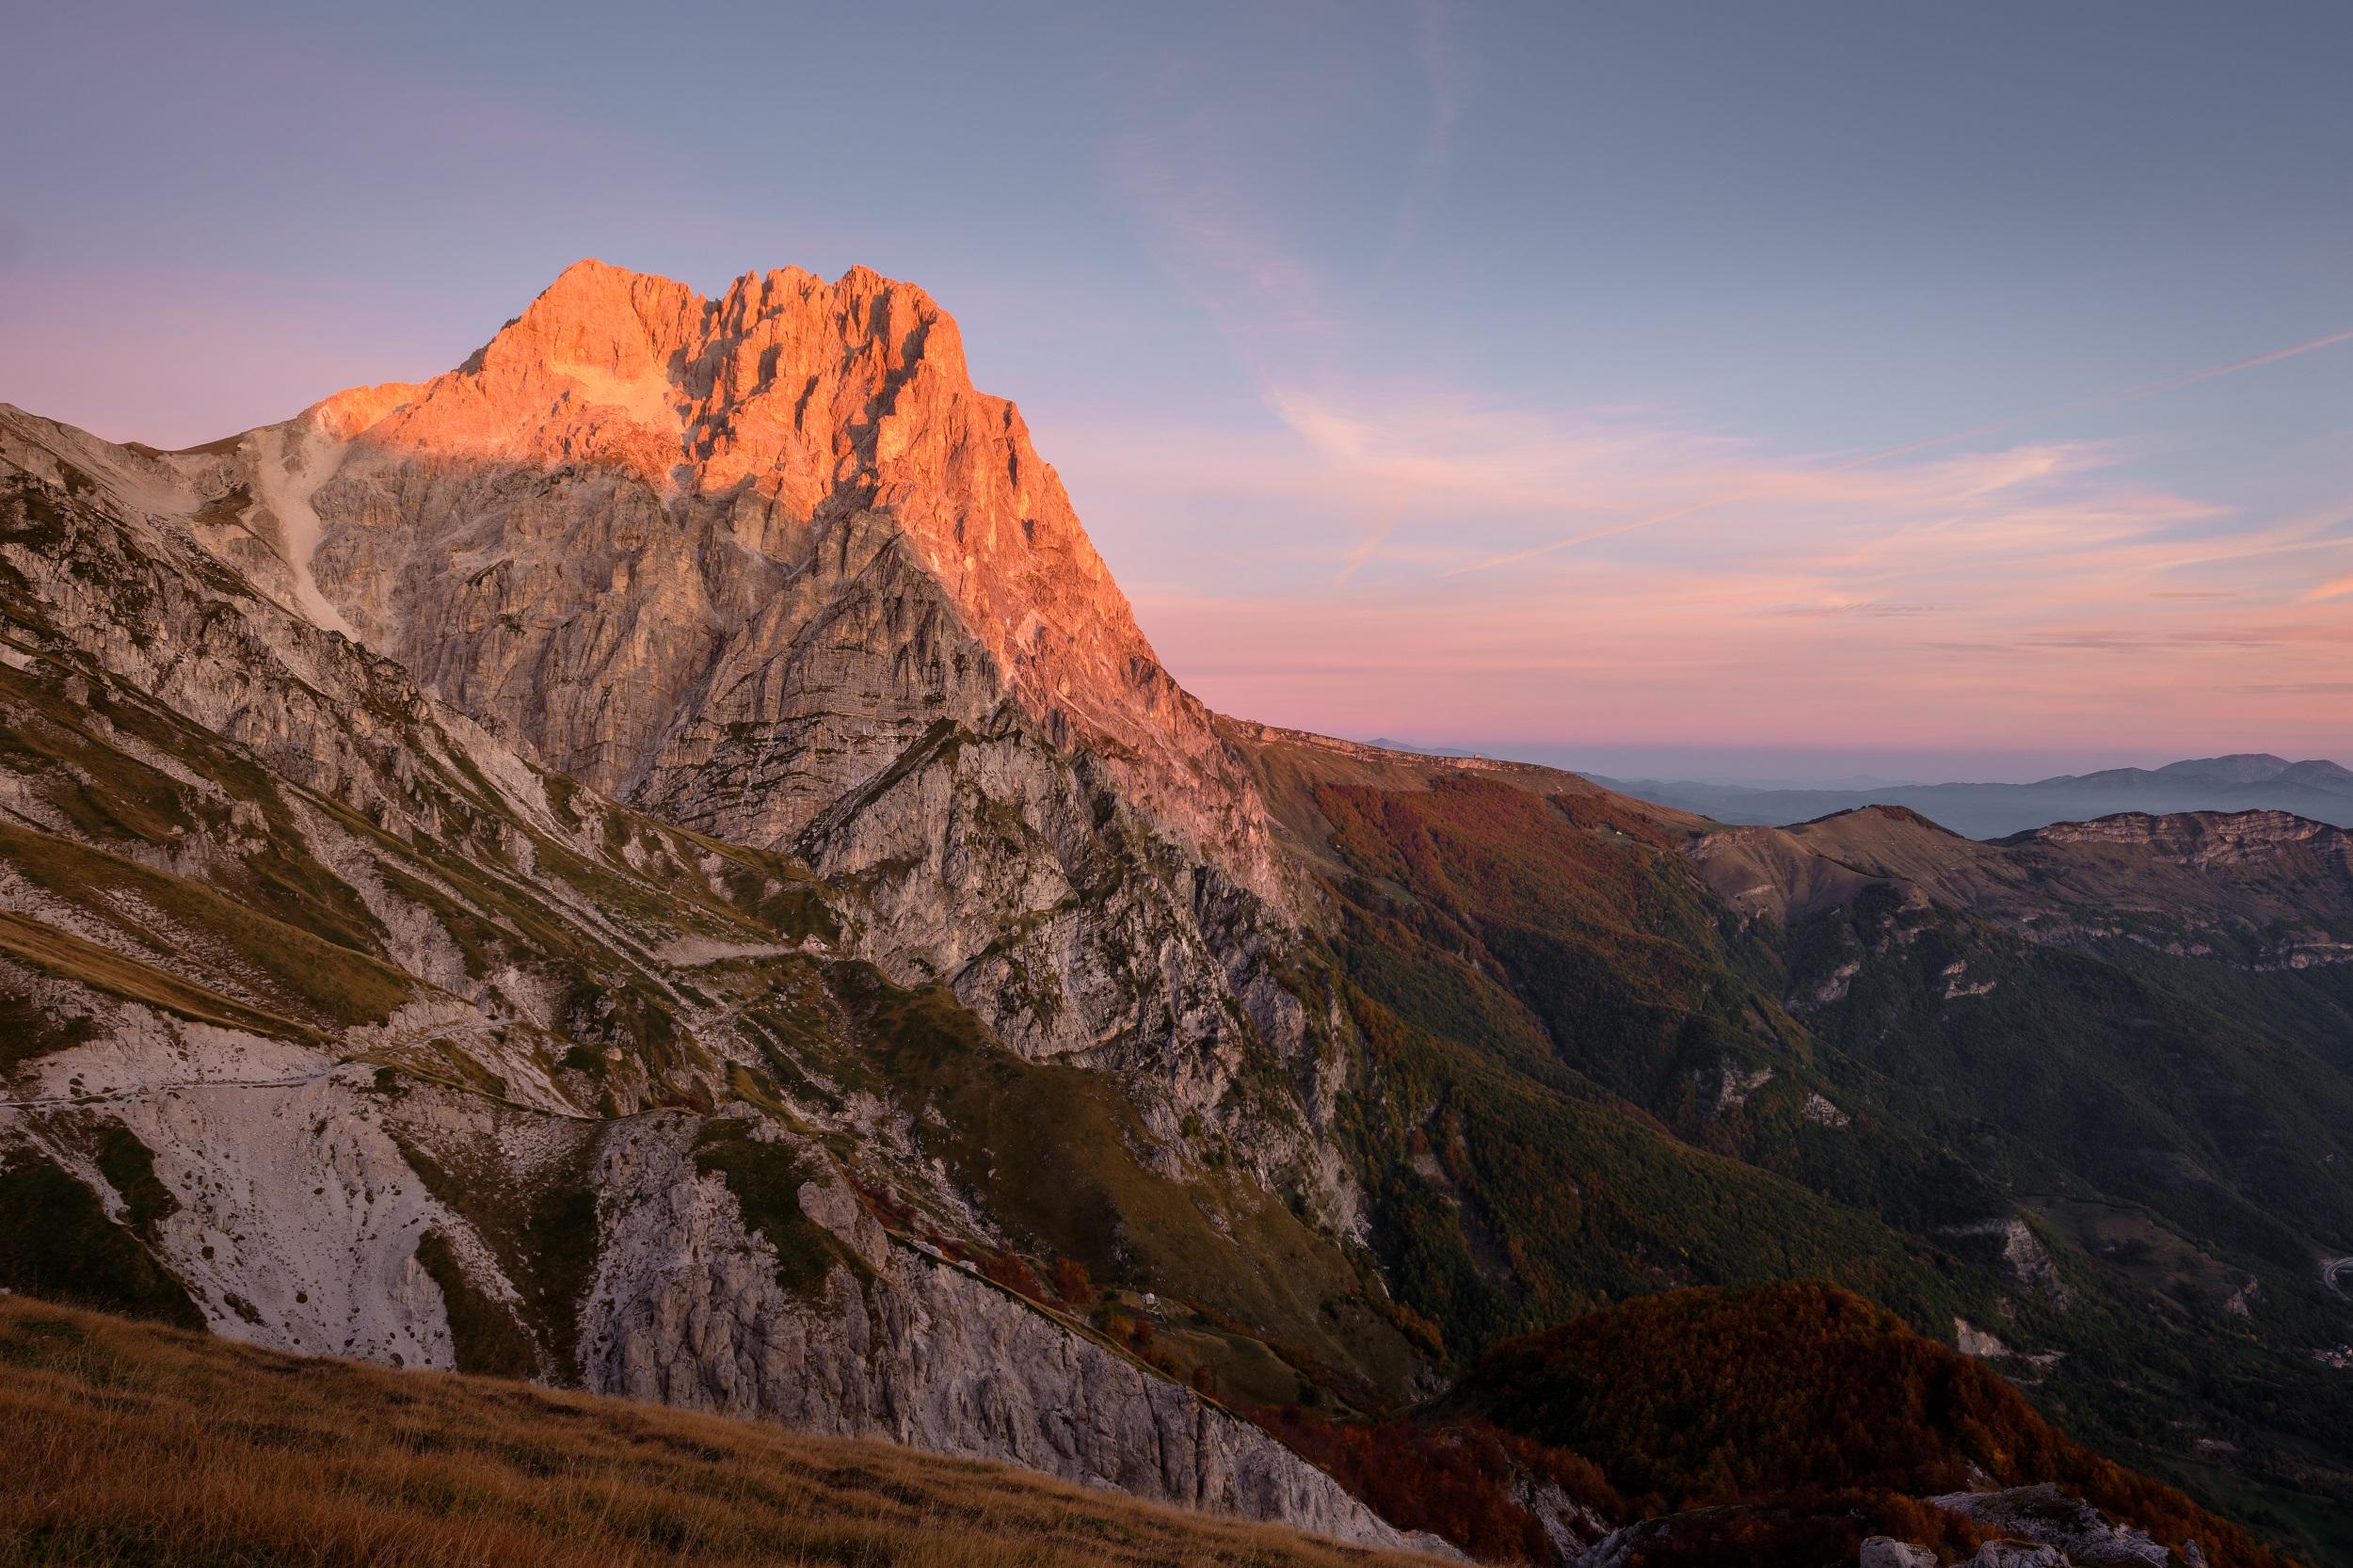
(2318, 789)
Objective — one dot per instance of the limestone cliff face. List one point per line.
(768, 566)
(118, 583)
(343, 1020)
(627, 523)
(687, 1309)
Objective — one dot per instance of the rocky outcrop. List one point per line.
(2208, 839)
(1969, 1339)
(613, 527)
(2021, 1257)
(2063, 1527)
(770, 568)
(1570, 1528)
(2017, 1554)
(688, 1308)
(1882, 1551)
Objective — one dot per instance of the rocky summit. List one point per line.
(659, 862)
(730, 558)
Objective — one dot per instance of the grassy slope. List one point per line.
(130, 1444)
(2167, 1122)
(1545, 991)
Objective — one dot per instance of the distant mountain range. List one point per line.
(2243, 781)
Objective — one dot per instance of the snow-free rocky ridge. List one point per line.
(660, 861)
(409, 1114)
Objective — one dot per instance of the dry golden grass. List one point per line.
(122, 1442)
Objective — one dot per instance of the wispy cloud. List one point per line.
(1448, 74)
(1870, 607)
(1908, 449)
(2048, 593)
(1374, 537)
(1425, 557)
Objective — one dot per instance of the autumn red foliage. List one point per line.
(1452, 1478)
(1013, 1274)
(1072, 1283)
(1804, 1530)
(1697, 1397)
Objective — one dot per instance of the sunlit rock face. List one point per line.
(731, 557)
(339, 1016)
(770, 567)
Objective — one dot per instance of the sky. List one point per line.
(1725, 391)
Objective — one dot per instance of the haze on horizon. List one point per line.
(1704, 391)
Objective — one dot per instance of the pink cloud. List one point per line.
(1430, 563)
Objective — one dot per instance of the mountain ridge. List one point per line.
(2316, 788)
(870, 995)
(539, 1025)
(761, 417)
(747, 560)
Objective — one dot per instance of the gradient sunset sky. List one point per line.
(1737, 391)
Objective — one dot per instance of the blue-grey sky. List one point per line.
(1709, 389)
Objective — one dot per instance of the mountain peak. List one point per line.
(627, 455)
(634, 370)
(2316, 773)
(596, 321)
(2238, 767)
(1881, 815)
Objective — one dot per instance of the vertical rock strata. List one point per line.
(769, 566)
(688, 1309)
(736, 556)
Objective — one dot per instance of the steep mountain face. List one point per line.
(333, 1022)
(661, 470)
(659, 861)
(768, 566)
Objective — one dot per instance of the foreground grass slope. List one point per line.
(127, 1443)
